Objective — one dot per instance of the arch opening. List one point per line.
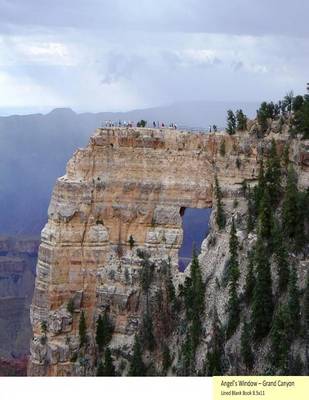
(195, 226)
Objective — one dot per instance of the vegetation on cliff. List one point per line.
(242, 305)
(192, 295)
(278, 216)
(220, 215)
(233, 276)
(293, 110)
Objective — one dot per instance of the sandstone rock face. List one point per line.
(128, 183)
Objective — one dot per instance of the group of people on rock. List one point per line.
(155, 124)
(111, 124)
(130, 124)
(158, 124)
(212, 128)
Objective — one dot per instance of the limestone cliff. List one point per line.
(117, 211)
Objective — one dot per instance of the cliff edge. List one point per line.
(110, 248)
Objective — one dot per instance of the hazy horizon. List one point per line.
(41, 144)
(24, 111)
(118, 56)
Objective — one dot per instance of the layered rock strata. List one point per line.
(122, 194)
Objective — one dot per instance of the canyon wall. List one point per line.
(17, 273)
(123, 194)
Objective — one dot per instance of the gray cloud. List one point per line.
(120, 66)
(241, 17)
(237, 65)
(109, 55)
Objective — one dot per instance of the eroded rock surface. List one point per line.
(129, 183)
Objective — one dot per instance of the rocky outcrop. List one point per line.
(121, 196)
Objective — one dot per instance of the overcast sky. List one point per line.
(99, 55)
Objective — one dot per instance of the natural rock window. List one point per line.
(195, 225)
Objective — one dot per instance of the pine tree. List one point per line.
(283, 268)
(109, 369)
(214, 360)
(251, 212)
(246, 346)
(304, 119)
(295, 213)
(195, 331)
(198, 286)
(306, 305)
(146, 273)
(220, 216)
(263, 114)
(261, 175)
(170, 289)
(250, 280)
(100, 370)
(273, 175)
(301, 236)
(293, 302)
(82, 330)
(194, 292)
(194, 300)
(99, 333)
(131, 242)
(241, 120)
(286, 157)
(137, 366)
(277, 109)
(306, 319)
(262, 308)
(166, 359)
(297, 103)
(148, 339)
(265, 218)
(266, 110)
(233, 310)
(280, 341)
(290, 218)
(187, 357)
(104, 331)
(233, 301)
(231, 123)
(288, 101)
(233, 248)
(169, 285)
(187, 292)
(258, 191)
(281, 257)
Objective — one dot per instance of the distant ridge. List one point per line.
(34, 150)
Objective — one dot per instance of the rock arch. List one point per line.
(128, 182)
